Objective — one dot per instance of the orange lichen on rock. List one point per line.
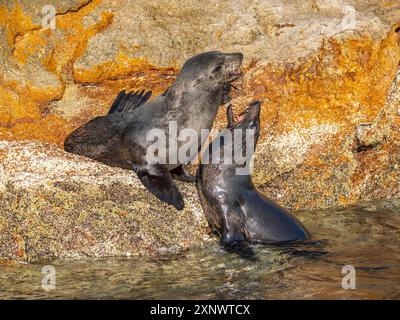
(23, 102)
(40, 96)
(14, 107)
(16, 22)
(22, 119)
(51, 129)
(347, 86)
(120, 66)
(21, 115)
(76, 36)
(346, 82)
(30, 45)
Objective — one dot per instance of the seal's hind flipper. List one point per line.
(158, 180)
(126, 102)
(181, 174)
(117, 101)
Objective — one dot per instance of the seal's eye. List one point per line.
(217, 68)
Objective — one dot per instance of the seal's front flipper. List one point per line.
(234, 242)
(241, 248)
(230, 236)
(181, 174)
(158, 181)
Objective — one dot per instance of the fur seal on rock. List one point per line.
(233, 206)
(119, 138)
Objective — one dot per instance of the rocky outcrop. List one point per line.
(55, 204)
(305, 56)
(362, 162)
(325, 71)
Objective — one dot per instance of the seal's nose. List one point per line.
(238, 55)
(255, 104)
(254, 109)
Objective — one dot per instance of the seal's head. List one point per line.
(234, 146)
(247, 120)
(211, 70)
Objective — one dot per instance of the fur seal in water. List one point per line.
(233, 206)
(119, 138)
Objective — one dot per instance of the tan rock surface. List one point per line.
(55, 204)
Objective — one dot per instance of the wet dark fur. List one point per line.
(233, 206)
(119, 138)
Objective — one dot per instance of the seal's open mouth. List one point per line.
(252, 112)
(235, 75)
(240, 117)
(235, 72)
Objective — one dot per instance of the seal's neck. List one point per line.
(193, 101)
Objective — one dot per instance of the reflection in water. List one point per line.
(366, 236)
